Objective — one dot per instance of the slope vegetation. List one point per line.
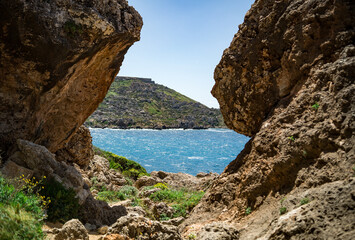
(141, 103)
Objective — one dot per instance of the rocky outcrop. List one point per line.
(58, 59)
(79, 149)
(34, 160)
(287, 80)
(72, 230)
(138, 227)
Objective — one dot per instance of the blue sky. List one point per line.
(182, 41)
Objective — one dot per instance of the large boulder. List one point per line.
(138, 227)
(72, 230)
(58, 59)
(79, 149)
(287, 80)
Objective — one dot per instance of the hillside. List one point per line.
(141, 103)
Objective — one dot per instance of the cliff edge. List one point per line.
(287, 80)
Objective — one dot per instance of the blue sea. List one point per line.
(177, 150)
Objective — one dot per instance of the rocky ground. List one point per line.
(144, 217)
(141, 103)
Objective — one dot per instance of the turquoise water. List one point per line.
(188, 151)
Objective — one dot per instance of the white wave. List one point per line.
(200, 158)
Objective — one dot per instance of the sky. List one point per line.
(182, 41)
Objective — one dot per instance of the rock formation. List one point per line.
(287, 80)
(79, 149)
(58, 59)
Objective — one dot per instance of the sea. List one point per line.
(173, 150)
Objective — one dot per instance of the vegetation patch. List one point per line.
(65, 206)
(304, 201)
(248, 211)
(124, 193)
(283, 210)
(315, 106)
(182, 201)
(128, 167)
(72, 29)
(21, 212)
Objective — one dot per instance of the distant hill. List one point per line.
(141, 103)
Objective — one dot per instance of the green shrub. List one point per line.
(72, 29)
(168, 195)
(283, 210)
(192, 236)
(21, 213)
(127, 167)
(182, 201)
(315, 106)
(248, 210)
(161, 186)
(112, 196)
(65, 206)
(304, 201)
(292, 138)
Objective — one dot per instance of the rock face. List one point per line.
(287, 80)
(79, 149)
(58, 59)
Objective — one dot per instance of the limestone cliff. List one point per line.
(57, 61)
(287, 80)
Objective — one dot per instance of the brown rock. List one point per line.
(145, 181)
(79, 149)
(58, 59)
(138, 227)
(12, 170)
(72, 230)
(287, 79)
(116, 237)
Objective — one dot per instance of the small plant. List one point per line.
(315, 106)
(282, 200)
(72, 29)
(292, 138)
(304, 201)
(283, 210)
(65, 206)
(192, 236)
(164, 217)
(162, 186)
(248, 210)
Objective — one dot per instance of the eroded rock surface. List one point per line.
(138, 227)
(79, 149)
(72, 230)
(287, 80)
(58, 59)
